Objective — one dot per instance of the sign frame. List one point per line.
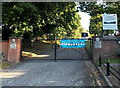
(109, 21)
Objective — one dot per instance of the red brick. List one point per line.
(14, 54)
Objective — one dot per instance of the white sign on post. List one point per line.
(13, 46)
(109, 21)
(97, 39)
(97, 44)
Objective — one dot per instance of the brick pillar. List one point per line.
(14, 50)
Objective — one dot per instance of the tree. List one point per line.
(34, 19)
(94, 9)
(114, 8)
(17, 18)
(96, 25)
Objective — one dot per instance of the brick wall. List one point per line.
(10, 54)
(4, 49)
(109, 47)
(14, 54)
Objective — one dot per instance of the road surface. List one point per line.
(77, 72)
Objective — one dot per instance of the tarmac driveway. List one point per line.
(51, 73)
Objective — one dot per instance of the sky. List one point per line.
(85, 20)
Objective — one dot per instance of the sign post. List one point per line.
(55, 47)
(110, 22)
(84, 35)
(13, 44)
(97, 43)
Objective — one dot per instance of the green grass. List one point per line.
(115, 60)
(4, 64)
(111, 60)
(88, 46)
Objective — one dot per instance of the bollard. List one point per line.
(99, 60)
(90, 47)
(55, 49)
(108, 68)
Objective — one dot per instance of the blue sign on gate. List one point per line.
(72, 43)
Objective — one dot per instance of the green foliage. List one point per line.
(40, 19)
(96, 24)
(0, 11)
(5, 64)
(95, 10)
(114, 8)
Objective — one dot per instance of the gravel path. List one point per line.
(50, 73)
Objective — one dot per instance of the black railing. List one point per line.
(109, 68)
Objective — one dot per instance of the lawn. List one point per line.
(37, 49)
(88, 47)
(4, 64)
(113, 60)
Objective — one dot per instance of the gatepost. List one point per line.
(97, 47)
(14, 50)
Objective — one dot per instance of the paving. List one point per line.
(77, 72)
(113, 80)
